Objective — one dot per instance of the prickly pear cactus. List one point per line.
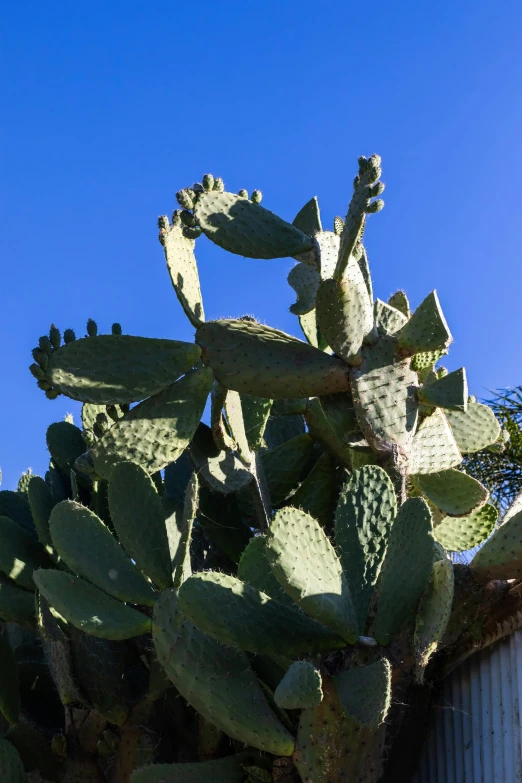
(255, 596)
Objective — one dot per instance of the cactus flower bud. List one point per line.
(256, 196)
(92, 328)
(44, 343)
(375, 206)
(243, 193)
(69, 336)
(377, 189)
(44, 385)
(37, 372)
(219, 185)
(176, 221)
(208, 181)
(192, 232)
(163, 223)
(363, 164)
(52, 394)
(55, 336)
(116, 328)
(187, 218)
(185, 198)
(197, 187)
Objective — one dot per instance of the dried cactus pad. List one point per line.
(119, 368)
(248, 229)
(249, 357)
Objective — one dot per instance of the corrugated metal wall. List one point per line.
(476, 737)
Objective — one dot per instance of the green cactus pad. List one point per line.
(365, 692)
(183, 271)
(35, 751)
(426, 360)
(286, 407)
(254, 569)
(65, 443)
(139, 520)
(158, 430)
(227, 770)
(322, 430)
(474, 429)
(501, 555)
(119, 368)
(327, 245)
(237, 614)
(434, 613)
(344, 312)
(364, 266)
(304, 279)
(426, 330)
(308, 324)
(11, 766)
(220, 470)
(216, 680)
(406, 570)
(16, 604)
(300, 687)
(458, 534)
(182, 563)
(384, 396)
(340, 412)
(387, 319)
(16, 506)
(305, 563)
(88, 608)
(236, 425)
(248, 229)
(9, 694)
(400, 301)
(308, 219)
(90, 550)
(364, 518)
(256, 411)
(284, 465)
(248, 357)
(450, 392)
(453, 492)
(316, 494)
(434, 448)
(20, 555)
(41, 503)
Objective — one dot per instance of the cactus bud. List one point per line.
(375, 206)
(219, 185)
(375, 167)
(176, 220)
(185, 198)
(116, 328)
(197, 187)
(44, 385)
(363, 164)
(92, 328)
(44, 343)
(37, 372)
(377, 189)
(338, 225)
(192, 232)
(37, 355)
(187, 218)
(208, 181)
(163, 223)
(52, 394)
(256, 196)
(69, 336)
(55, 336)
(472, 399)
(243, 193)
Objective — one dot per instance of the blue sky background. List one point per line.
(110, 107)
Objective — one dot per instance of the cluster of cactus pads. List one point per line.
(253, 599)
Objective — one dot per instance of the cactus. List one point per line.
(280, 579)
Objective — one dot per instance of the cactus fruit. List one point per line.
(179, 590)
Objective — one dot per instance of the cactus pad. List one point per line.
(88, 608)
(256, 411)
(41, 503)
(16, 604)
(458, 534)
(236, 425)
(226, 770)
(284, 465)
(387, 319)
(11, 766)
(248, 229)
(248, 357)
(20, 555)
(254, 569)
(316, 494)
(237, 614)
(65, 443)
(501, 555)
(139, 520)
(400, 302)
(88, 547)
(434, 613)
(453, 492)
(157, 430)
(426, 330)
(9, 692)
(450, 391)
(433, 448)
(305, 563)
(304, 279)
(308, 219)
(308, 324)
(327, 247)
(365, 692)
(300, 687)
(183, 271)
(364, 518)
(220, 470)
(475, 428)
(406, 570)
(119, 368)
(216, 680)
(323, 431)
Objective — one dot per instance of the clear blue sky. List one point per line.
(110, 107)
